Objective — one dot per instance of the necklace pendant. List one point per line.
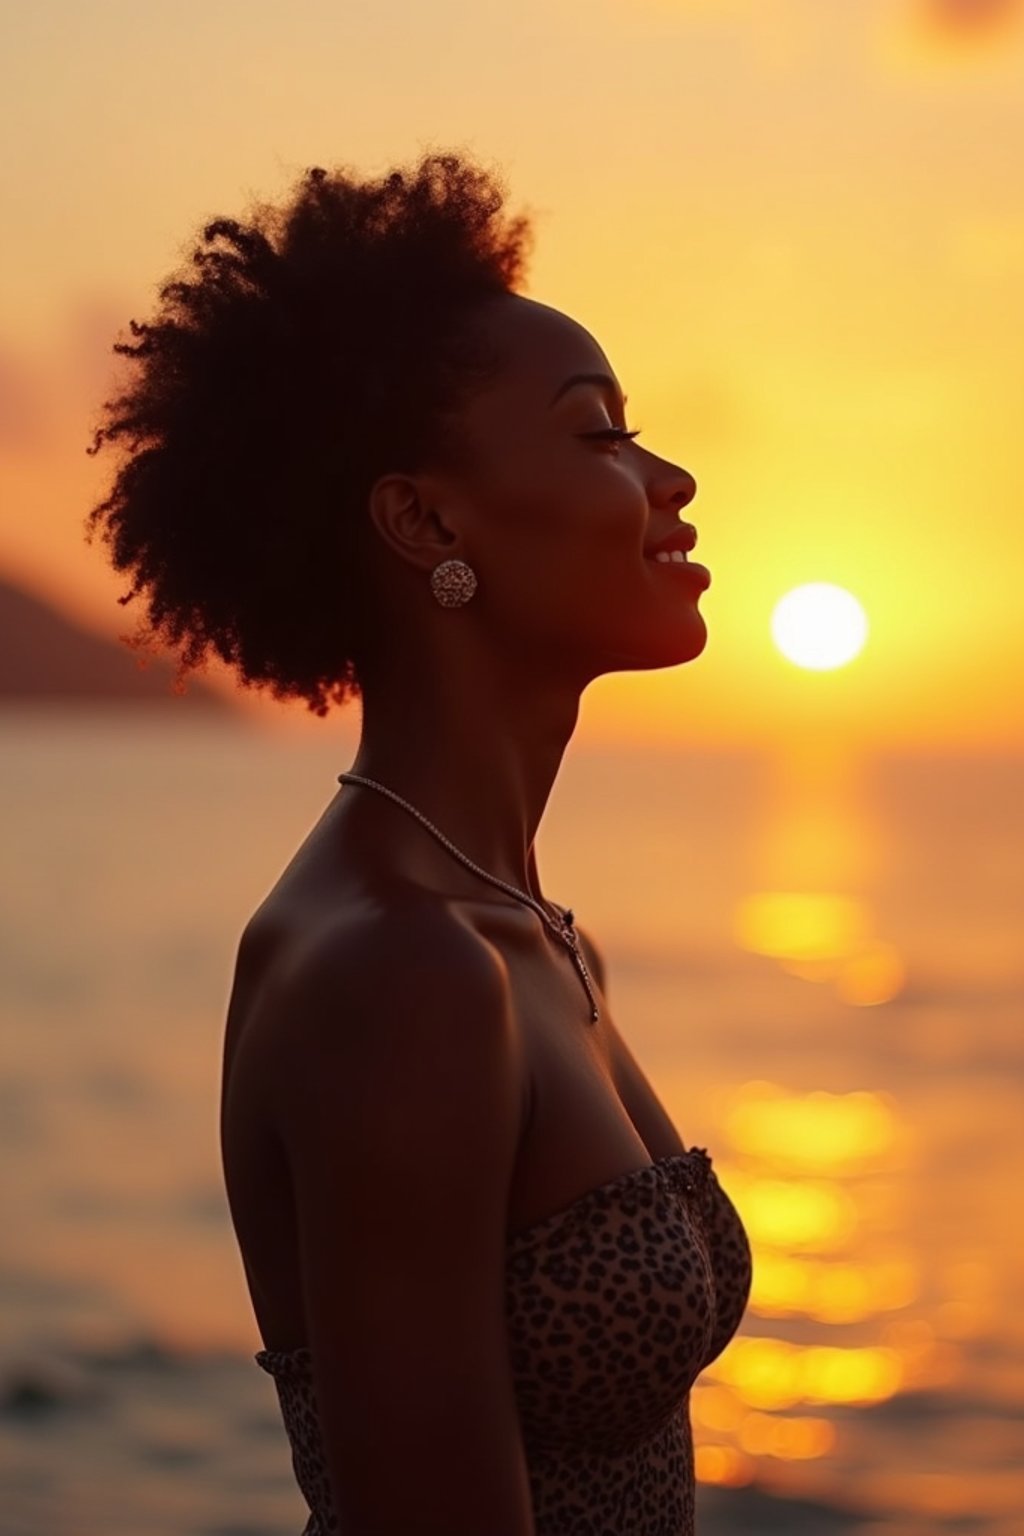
(581, 966)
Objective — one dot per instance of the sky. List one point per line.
(796, 230)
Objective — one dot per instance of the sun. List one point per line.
(819, 626)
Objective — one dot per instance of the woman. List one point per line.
(485, 1269)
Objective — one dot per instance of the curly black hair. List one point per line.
(329, 345)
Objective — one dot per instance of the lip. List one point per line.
(698, 574)
(683, 536)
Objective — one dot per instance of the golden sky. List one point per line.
(796, 229)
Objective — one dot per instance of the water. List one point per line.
(818, 963)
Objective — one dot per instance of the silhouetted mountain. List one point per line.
(44, 655)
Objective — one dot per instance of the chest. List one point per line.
(592, 1110)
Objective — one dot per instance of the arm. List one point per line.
(400, 1112)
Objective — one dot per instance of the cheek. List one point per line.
(592, 504)
(559, 520)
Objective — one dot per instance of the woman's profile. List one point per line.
(363, 466)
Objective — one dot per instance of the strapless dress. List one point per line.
(614, 1305)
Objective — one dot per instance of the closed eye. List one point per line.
(613, 434)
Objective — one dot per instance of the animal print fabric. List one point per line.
(614, 1307)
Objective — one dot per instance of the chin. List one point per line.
(663, 650)
(684, 641)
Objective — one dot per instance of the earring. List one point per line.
(453, 582)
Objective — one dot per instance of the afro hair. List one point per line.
(330, 343)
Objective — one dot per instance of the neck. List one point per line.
(475, 754)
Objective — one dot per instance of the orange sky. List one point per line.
(796, 229)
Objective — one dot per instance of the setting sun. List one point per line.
(819, 626)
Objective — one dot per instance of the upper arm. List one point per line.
(400, 1112)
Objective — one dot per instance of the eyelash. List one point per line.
(614, 434)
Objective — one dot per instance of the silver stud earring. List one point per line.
(453, 582)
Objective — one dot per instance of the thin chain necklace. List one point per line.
(562, 927)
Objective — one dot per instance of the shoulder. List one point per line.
(400, 998)
(410, 949)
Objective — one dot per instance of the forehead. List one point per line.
(540, 348)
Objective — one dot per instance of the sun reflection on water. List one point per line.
(817, 1181)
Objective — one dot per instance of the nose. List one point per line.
(686, 489)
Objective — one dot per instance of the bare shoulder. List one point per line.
(412, 977)
(397, 1032)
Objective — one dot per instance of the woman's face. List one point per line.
(555, 522)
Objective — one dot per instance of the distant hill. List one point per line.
(46, 656)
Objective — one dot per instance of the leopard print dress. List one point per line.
(614, 1307)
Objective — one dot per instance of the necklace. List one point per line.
(562, 927)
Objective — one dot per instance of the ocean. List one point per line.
(817, 959)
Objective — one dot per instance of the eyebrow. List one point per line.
(602, 380)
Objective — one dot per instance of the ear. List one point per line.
(403, 511)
